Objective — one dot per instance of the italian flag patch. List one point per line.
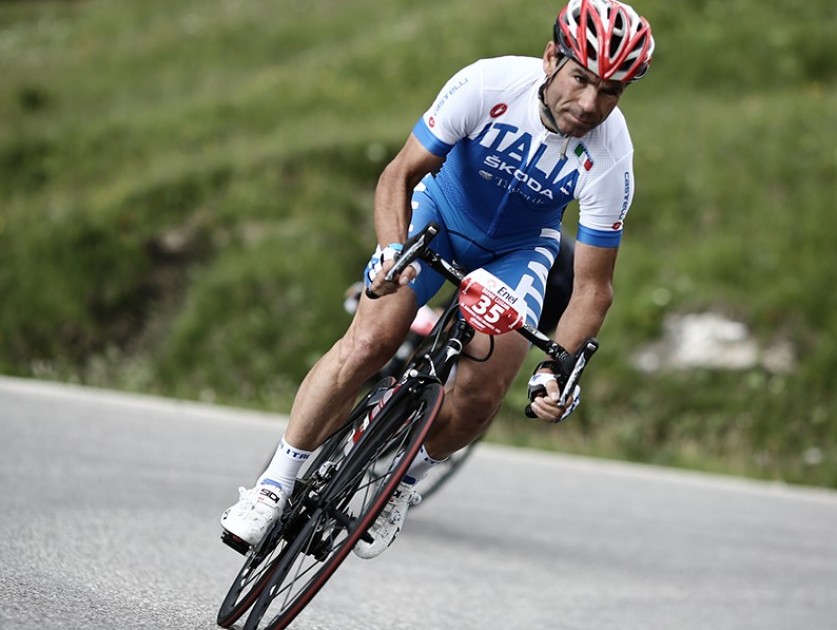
(583, 156)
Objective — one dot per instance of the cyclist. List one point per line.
(503, 149)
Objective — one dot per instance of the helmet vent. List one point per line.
(618, 34)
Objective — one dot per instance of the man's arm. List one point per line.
(591, 298)
(392, 200)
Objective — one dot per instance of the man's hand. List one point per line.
(544, 389)
(381, 262)
(546, 406)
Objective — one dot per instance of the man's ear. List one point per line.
(549, 57)
(552, 57)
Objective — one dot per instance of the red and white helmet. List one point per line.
(606, 37)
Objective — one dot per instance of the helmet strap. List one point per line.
(549, 120)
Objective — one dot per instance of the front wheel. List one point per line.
(262, 560)
(335, 518)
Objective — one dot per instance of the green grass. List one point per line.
(186, 189)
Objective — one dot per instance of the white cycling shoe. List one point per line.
(389, 522)
(257, 509)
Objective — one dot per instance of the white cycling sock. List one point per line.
(284, 466)
(421, 466)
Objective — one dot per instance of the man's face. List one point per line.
(578, 99)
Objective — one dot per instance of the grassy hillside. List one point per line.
(185, 191)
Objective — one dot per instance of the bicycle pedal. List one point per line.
(233, 541)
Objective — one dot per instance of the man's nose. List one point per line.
(588, 97)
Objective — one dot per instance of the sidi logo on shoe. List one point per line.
(267, 492)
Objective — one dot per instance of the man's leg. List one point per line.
(477, 393)
(329, 390)
(468, 409)
(479, 388)
(321, 404)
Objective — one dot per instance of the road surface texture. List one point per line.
(110, 507)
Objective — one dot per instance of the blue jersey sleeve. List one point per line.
(429, 141)
(599, 238)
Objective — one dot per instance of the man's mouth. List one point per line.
(580, 121)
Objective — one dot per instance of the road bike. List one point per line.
(350, 478)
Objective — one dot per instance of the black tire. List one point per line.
(250, 581)
(262, 560)
(333, 518)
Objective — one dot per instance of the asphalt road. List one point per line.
(110, 507)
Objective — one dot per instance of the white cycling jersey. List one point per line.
(510, 175)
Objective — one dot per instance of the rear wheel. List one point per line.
(352, 492)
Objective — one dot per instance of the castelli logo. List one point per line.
(498, 110)
(431, 121)
(617, 225)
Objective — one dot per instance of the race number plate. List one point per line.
(489, 304)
